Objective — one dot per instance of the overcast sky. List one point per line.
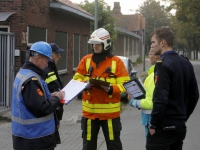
(127, 6)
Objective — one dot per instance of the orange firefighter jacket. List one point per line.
(96, 103)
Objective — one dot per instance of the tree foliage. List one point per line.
(105, 18)
(187, 22)
(155, 16)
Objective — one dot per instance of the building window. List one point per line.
(85, 45)
(5, 28)
(36, 34)
(61, 39)
(76, 50)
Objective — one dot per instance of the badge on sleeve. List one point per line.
(40, 92)
(155, 78)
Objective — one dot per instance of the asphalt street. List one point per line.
(132, 135)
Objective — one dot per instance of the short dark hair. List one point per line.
(164, 33)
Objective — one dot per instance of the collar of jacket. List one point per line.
(151, 69)
(171, 52)
(29, 65)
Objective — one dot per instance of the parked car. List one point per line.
(129, 66)
(132, 73)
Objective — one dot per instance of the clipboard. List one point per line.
(98, 83)
(135, 88)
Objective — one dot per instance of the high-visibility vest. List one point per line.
(24, 123)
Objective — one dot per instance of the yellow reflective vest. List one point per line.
(149, 86)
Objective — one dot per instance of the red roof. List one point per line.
(70, 4)
(130, 22)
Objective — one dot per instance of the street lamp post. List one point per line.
(143, 37)
(159, 20)
(96, 15)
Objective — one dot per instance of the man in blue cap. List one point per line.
(33, 119)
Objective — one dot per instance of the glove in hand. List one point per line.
(134, 103)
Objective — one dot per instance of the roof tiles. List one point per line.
(70, 4)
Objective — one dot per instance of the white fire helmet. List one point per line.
(101, 36)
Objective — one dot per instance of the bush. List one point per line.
(138, 61)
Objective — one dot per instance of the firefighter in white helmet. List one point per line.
(101, 105)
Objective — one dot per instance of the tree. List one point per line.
(188, 22)
(105, 18)
(153, 11)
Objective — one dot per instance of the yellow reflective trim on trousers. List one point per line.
(89, 127)
(110, 129)
(113, 67)
(103, 106)
(101, 111)
(87, 64)
(50, 79)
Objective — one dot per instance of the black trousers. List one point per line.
(111, 129)
(166, 138)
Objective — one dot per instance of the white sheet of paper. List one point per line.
(72, 89)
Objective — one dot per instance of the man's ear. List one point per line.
(163, 43)
(37, 58)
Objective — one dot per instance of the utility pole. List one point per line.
(143, 43)
(96, 15)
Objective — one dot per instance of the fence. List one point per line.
(7, 71)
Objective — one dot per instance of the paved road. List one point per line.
(132, 134)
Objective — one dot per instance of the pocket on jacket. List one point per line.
(112, 100)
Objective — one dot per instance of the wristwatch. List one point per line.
(151, 126)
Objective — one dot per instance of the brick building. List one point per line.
(58, 21)
(131, 28)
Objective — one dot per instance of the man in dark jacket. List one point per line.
(53, 80)
(175, 95)
(33, 121)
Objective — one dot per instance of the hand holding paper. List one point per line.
(59, 94)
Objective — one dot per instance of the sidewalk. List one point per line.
(70, 129)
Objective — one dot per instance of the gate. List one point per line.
(7, 71)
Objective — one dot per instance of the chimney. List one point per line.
(117, 8)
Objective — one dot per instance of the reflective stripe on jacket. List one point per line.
(24, 123)
(51, 77)
(96, 102)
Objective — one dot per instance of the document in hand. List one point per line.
(98, 83)
(72, 89)
(135, 88)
